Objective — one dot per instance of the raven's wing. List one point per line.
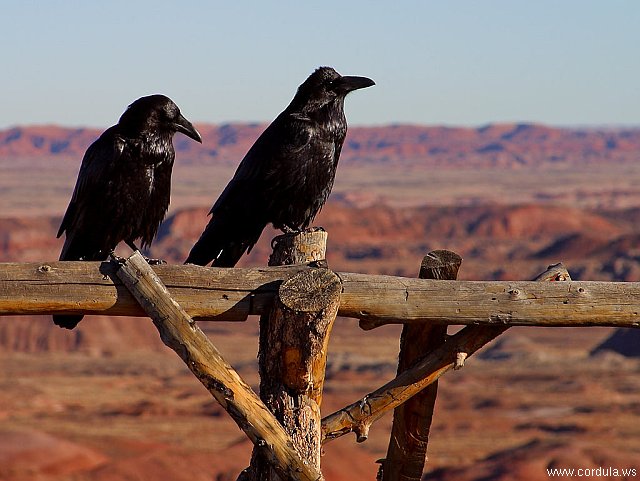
(243, 209)
(260, 171)
(98, 161)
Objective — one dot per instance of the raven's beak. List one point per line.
(348, 83)
(187, 128)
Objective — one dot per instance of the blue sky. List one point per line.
(558, 62)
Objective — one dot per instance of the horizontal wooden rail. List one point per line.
(233, 294)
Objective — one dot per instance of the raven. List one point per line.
(124, 183)
(286, 176)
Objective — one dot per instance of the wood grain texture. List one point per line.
(181, 333)
(208, 293)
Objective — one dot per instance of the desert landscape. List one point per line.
(109, 402)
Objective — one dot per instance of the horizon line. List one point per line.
(392, 124)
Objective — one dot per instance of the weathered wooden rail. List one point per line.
(298, 304)
(215, 294)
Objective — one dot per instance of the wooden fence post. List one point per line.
(293, 347)
(407, 451)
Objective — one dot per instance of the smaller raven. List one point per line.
(286, 176)
(124, 183)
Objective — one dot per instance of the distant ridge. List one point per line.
(623, 341)
(504, 145)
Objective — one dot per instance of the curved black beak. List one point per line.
(187, 128)
(349, 83)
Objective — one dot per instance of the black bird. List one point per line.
(286, 176)
(123, 187)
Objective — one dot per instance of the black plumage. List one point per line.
(123, 186)
(286, 176)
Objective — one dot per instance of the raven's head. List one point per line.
(326, 85)
(157, 113)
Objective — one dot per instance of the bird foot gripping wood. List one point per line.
(154, 262)
(117, 259)
(122, 260)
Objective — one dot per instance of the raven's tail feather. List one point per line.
(223, 243)
(67, 254)
(67, 322)
(76, 249)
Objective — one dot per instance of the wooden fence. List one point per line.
(298, 297)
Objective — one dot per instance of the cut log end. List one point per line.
(362, 432)
(310, 291)
(554, 273)
(440, 264)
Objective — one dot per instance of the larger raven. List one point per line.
(123, 187)
(286, 176)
